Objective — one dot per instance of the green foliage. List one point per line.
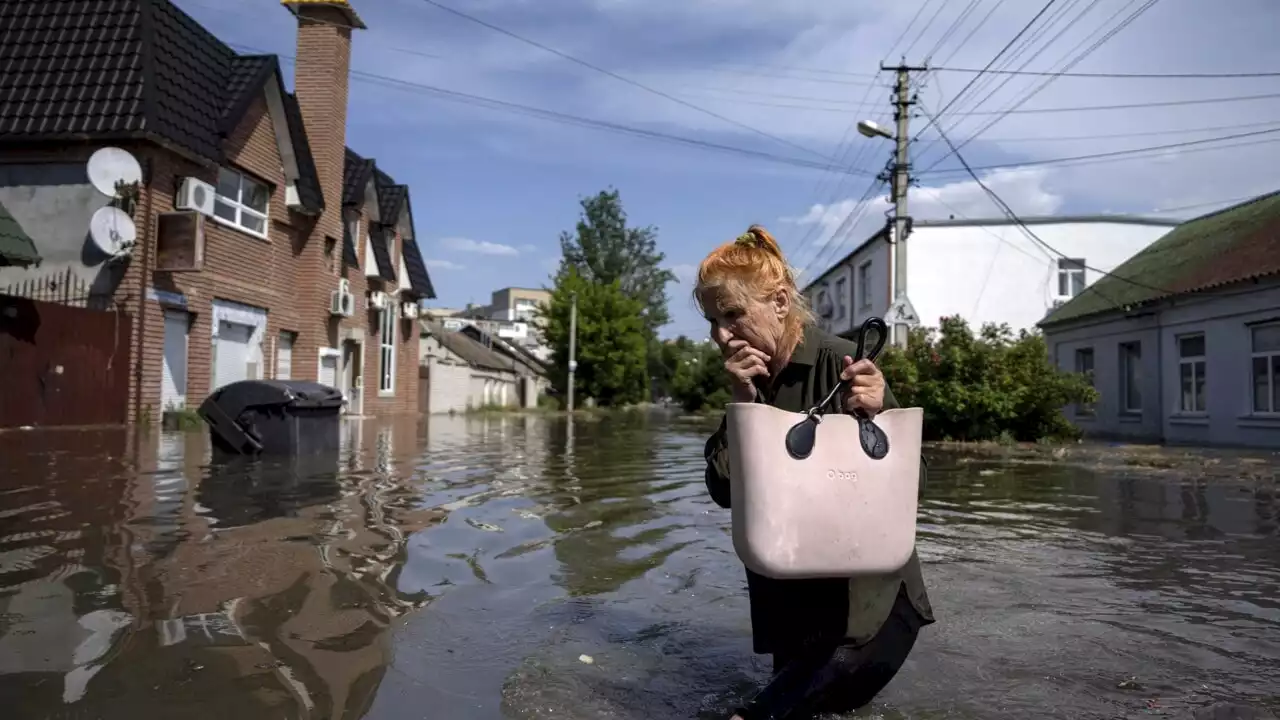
(989, 386)
(612, 340)
(699, 381)
(604, 250)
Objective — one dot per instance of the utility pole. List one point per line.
(902, 102)
(573, 346)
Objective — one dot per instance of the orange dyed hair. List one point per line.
(752, 266)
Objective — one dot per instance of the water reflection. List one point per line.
(464, 567)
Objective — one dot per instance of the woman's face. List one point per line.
(740, 316)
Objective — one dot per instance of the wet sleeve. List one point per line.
(717, 473)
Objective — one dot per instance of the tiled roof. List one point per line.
(393, 201)
(471, 351)
(355, 176)
(16, 247)
(381, 255)
(1229, 246)
(116, 69)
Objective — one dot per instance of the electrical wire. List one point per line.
(1121, 153)
(622, 78)
(974, 31)
(1120, 76)
(1126, 22)
(555, 116)
(993, 60)
(1122, 106)
(1009, 213)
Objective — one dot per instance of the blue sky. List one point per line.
(493, 189)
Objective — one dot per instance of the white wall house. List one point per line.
(1182, 342)
(986, 271)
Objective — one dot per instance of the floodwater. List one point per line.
(518, 567)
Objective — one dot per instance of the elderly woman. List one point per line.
(836, 643)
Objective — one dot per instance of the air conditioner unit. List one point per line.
(378, 300)
(195, 194)
(341, 301)
(409, 310)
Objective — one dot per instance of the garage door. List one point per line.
(231, 353)
(173, 381)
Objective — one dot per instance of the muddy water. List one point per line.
(517, 567)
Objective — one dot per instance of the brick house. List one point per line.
(304, 266)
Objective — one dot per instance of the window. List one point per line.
(1266, 369)
(1131, 378)
(1084, 366)
(864, 285)
(387, 341)
(1070, 277)
(842, 298)
(241, 202)
(1191, 366)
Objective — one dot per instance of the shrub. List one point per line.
(988, 386)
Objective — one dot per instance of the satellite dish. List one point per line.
(112, 231)
(110, 165)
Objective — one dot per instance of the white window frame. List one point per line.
(1067, 269)
(1198, 365)
(1273, 378)
(843, 296)
(1125, 381)
(239, 207)
(1086, 409)
(387, 322)
(864, 285)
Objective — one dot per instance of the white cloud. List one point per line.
(1024, 189)
(480, 247)
(444, 265)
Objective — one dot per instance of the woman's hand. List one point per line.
(744, 363)
(867, 391)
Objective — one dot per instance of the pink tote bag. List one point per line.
(824, 494)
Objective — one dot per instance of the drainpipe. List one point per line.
(139, 327)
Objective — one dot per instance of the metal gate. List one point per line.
(62, 365)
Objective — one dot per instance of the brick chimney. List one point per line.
(322, 72)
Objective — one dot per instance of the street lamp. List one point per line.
(872, 129)
(898, 260)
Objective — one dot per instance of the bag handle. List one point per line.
(802, 436)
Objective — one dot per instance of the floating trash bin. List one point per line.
(274, 417)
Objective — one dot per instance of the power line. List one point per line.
(1146, 133)
(621, 78)
(1119, 153)
(555, 116)
(993, 60)
(1125, 76)
(1009, 213)
(1126, 22)
(1125, 106)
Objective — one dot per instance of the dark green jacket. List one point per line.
(789, 613)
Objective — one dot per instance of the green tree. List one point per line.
(612, 339)
(986, 386)
(604, 250)
(699, 381)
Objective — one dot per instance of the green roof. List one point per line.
(1239, 243)
(16, 247)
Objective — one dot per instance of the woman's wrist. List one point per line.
(744, 394)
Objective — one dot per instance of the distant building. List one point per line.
(1182, 341)
(511, 315)
(459, 373)
(985, 271)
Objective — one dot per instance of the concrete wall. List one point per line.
(455, 386)
(988, 273)
(1225, 319)
(53, 203)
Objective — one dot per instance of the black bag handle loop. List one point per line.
(802, 436)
